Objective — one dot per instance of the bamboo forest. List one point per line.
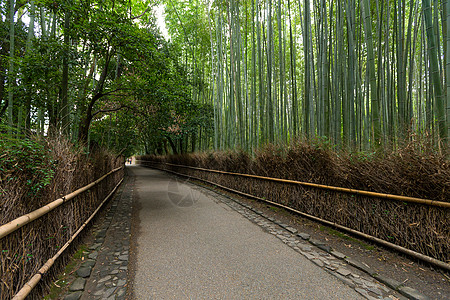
(226, 74)
(208, 148)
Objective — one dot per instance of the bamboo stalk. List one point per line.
(27, 288)
(25, 219)
(434, 70)
(398, 248)
(11, 77)
(328, 187)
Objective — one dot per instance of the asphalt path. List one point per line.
(190, 245)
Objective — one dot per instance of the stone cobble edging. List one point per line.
(104, 274)
(357, 275)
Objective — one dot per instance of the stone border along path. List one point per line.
(104, 274)
(355, 274)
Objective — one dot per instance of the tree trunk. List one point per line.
(65, 126)
(434, 72)
(11, 75)
(376, 122)
(447, 79)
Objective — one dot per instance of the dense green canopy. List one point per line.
(98, 71)
(236, 73)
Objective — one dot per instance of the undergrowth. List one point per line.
(27, 160)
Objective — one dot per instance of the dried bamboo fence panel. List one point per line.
(26, 249)
(421, 225)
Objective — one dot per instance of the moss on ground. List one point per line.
(346, 237)
(59, 287)
(274, 208)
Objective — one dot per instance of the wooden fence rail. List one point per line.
(327, 187)
(25, 219)
(28, 287)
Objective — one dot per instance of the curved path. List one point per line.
(191, 245)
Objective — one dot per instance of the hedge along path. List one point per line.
(327, 187)
(25, 219)
(396, 247)
(28, 287)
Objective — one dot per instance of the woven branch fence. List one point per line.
(25, 250)
(418, 227)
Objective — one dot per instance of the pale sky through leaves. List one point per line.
(159, 14)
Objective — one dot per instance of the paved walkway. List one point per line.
(193, 246)
(191, 243)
